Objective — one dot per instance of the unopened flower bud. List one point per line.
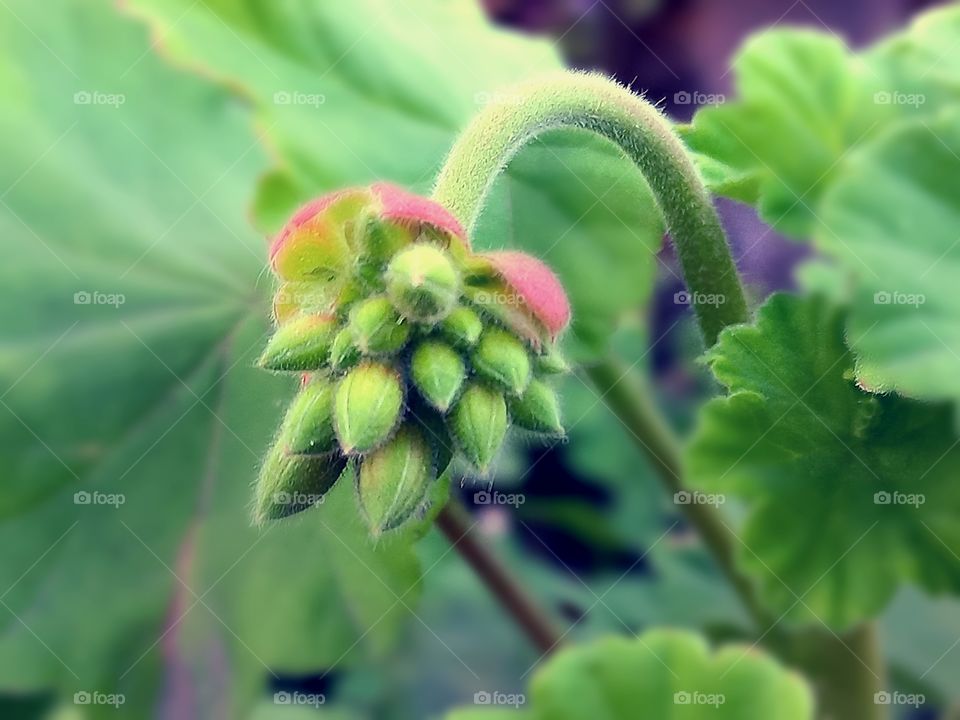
(344, 352)
(367, 407)
(551, 362)
(462, 327)
(377, 328)
(422, 283)
(438, 372)
(502, 358)
(291, 483)
(301, 344)
(394, 479)
(308, 426)
(479, 423)
(538, 409)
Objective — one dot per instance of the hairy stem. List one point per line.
(455, 523)
(632, 402)
(593, 102)
(846, 671)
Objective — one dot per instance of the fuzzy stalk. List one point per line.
(595, 103)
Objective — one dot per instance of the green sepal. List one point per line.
(308, 425)
(394, 479)
(503, 359)
(344, 352)
(478, 422)
(301, 344)
(537, 410)
(551, 362)
(289, 484)
(462, 327)
(376, 327)
(423, 283)
(367, 407)
(438, 372)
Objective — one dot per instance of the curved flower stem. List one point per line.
(593, 102)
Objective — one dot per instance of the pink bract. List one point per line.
(533, 281)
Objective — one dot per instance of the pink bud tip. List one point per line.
(306, 213)
(401, 206)
(533, 281)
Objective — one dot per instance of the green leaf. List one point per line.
(803, 100)
(848, 494)
(892, 220)
(660, 675)
(129, 182)
(341, 110)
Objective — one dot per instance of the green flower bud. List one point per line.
(479, 423)
(438, 372)
(462, 327)
(377, 328)
(308, 426)
(291, 483)
(551, 362)
(344, 353)
(367, 407)
(502, 358)
(422, 283)
(538, 409)
(301, 344)
(394, 479)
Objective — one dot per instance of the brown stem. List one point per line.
(455, 523)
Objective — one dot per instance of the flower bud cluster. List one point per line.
(412, 349)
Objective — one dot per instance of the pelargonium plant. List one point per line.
(412, 348)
